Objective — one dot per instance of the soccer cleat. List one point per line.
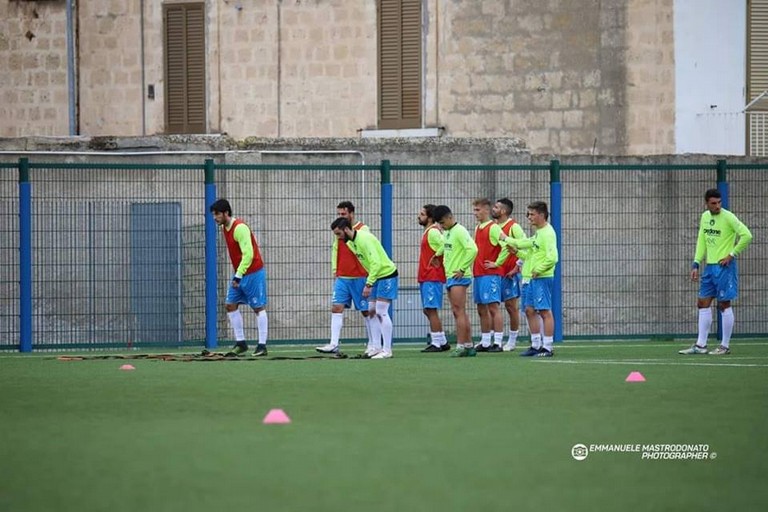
(495, 349)
(720, 351)
(371, 352)
(328, 349)
(482, 348)
(462, 351)
(509, 347)
(261, 351)
(695, 349)
(530, 352)
(240, 348)
(545, 353)
(382, 355)
(445, 348)
(432, 348)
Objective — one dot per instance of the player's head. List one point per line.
(714, 200)
(426, 215)
(502, 208)
(538, 213)
(443, 216)
(342, 228)
(222, 211)
(346, 209)
(482, 209)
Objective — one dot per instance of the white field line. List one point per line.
(652, 362)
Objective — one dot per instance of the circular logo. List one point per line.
(579, 452)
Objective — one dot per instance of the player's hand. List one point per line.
(512, 272)
(502, 236)
(458, 274)
(434, 261)
(695, 274)
(235, 283)
(367, 291)
(534, 274)
(489, 264)
(726, 261)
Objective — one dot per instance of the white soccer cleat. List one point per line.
(328, 349)
(509, 347)
(383, 355)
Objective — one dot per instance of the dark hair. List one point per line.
(507, 204)
(341, 223)
(221, 206)
(347, 205)
(713, 192)
(429, 209)
(440, 212)
(541, 207)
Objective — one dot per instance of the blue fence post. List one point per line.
(722, 187)
(211, 281)
(386, 207)
(556, 216)
(25, 257)
(386, 214)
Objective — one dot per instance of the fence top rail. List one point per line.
(113, 166)
(298, 167)
(468, 167)
(755, 167)
(638, 167)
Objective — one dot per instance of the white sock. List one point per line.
(536, 341)
(374, 327)
(435, 337)
(512, 338)
(263, 325)
(548, 342)
(485, 339)
(382, 311)
(498, 338)
(705, 321)
(337, 321)
(442, 340)
(728, 321)
(236, 321)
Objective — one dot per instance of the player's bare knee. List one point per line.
(722, 306)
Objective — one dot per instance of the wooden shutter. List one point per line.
(399, 24)
(184, 35)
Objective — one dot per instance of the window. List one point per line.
(399, 95)
(184, 40)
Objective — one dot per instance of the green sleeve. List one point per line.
(744, 234)
(334, 254)
(242, 236)
(435, 240)
(470, 251)
(701, 243)
(548, 248)
(494, 234)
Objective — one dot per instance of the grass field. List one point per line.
(417, 432)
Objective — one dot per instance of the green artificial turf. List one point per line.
(417, 432)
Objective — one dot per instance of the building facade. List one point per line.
(567, 76)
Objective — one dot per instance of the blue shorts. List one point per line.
(431, 294)
(510, 287)
(720, 281)
(462, 281)
(385, 289)
(348, 290)
(524, 286)
(539, 293)
(487, 289)
(252, 290)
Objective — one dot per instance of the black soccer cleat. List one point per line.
(261, 351)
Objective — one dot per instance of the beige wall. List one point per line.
(33, 64)
(568, 76)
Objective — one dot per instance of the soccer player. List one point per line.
(486, 290)
(722, 237)
(431, 278)
(508, 263)
(459, 251)
(380, 285)
(249, 284)
(349, 281)
(541, 257)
